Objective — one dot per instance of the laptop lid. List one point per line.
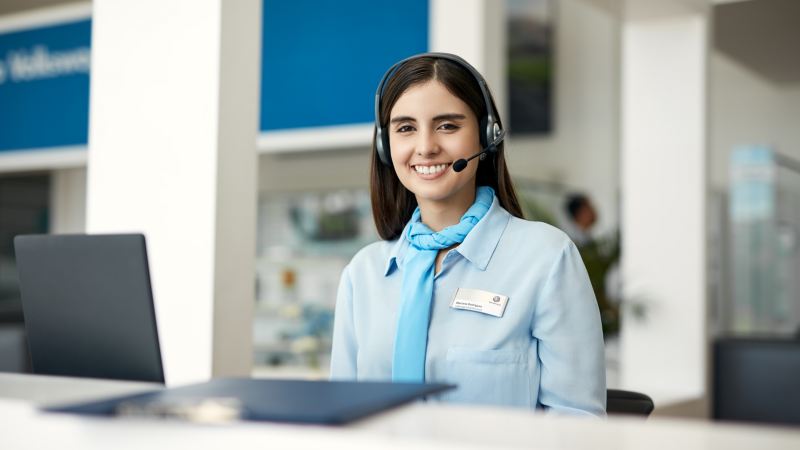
(88, 306)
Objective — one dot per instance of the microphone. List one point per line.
(461, 164)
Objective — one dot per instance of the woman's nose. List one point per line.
(427, 143)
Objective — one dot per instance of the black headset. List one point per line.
(492, 133)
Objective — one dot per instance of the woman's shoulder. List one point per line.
(535, 235)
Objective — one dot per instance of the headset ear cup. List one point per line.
(497, 134)
(493, 130)
(382, 146)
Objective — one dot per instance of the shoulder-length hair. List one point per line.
(392, 203)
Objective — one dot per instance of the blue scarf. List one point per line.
(416, 295)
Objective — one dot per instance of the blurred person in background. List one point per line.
(581, 217)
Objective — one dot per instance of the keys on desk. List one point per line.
(207, 410)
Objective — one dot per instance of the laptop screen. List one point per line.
(88, 306)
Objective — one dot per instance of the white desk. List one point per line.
(419, 426)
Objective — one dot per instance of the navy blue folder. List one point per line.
(296, 401)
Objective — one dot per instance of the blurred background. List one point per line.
(662, 136)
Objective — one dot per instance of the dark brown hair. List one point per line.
(392, 203)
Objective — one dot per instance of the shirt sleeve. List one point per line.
(566, 324)
(345, 348)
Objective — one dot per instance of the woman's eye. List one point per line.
(448, 127)
(405, 129)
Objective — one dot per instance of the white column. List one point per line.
(173, 126)
(664, 103)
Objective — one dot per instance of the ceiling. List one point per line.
(762, 35)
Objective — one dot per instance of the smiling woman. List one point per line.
(462, 290)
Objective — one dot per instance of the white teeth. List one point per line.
(426, 170)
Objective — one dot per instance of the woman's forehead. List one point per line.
(427, 100)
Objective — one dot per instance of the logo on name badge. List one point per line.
(496, 299)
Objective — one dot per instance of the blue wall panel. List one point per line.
(323, 59)
(44, 86)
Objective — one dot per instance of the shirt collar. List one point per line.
(480, 244)
(397, 251)
(478, 247)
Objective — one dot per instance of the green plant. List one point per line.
(599, 256)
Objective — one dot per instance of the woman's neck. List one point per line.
(438, 215)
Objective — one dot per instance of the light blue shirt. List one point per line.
(546, 351)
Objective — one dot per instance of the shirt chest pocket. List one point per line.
(489, 377)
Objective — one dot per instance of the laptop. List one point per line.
(88, 306)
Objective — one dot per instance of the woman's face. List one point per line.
(429, 129)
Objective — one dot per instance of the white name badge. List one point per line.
(479, 301)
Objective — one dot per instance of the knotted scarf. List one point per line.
(416, 295)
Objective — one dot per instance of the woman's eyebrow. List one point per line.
(439, 118)
(403, 119)
(449, 116)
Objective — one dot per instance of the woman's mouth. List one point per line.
(432, 171)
